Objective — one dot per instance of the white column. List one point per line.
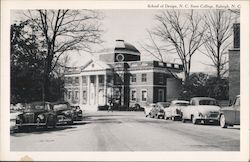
(80, 89)
(97, 90)
(88, 89)
(105, 89)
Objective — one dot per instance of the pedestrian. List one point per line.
(110, 106)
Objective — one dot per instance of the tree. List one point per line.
(201, 84)
(217, 38)
(61, 31)
(182, 32)
(26, 64)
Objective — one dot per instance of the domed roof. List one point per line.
(125, 47)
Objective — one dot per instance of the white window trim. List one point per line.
(146, 95)
(132, 93)
(132, 78)
(144, 78)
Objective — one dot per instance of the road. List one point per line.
(127, 131)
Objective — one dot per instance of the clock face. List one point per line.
(120, 57)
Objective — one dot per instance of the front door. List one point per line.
(160, 95)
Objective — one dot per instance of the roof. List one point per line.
(202, 98)
(121, 46)
(179, 101)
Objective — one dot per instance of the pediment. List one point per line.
(95, 65)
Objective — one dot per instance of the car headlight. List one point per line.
(18, 118)
(41, 116)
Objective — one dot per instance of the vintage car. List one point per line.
(65, 115)
(13, 116)
(148, 108)
(230, 116)
(201, 110)
(77, 113)
(37, 114)
(173, 112)
(158, 110)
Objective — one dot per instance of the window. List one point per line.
(84, 79)
(161, 79)
(160, 95)
(101, 79)
(144, 95)
(66, 80)
(109, 78)
(84, 97)
(76, 95)
(133, 95)
(69, 95)
(237, 101)
(133, 78)
(70, 80)
(143, 77)
(77, 80)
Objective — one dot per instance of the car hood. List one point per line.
(207, 109)
(64, 112)
(33, 111)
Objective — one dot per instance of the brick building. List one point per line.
(118, 74)
(234, 64)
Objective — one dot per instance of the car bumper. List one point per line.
(63, 120)
(208, 119)
(31, 124)
(160, 114)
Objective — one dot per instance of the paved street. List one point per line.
(128, 131)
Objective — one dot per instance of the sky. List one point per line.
(132, 26)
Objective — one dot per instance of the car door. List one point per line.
(167, 111)
(237, 110)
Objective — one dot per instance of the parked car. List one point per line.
(201, 110)
(230, 116)
(37, 114)
(77, 113)
(158, 110)
(148, 108)
(173, 112)
(13, 116)
(65, 115)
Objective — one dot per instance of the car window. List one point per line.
(207, 102)
(60, 107)
(237, 101)
(164, 105)
(35, 106)
(192, 102)
(182, 104)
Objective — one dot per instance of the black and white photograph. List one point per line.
(163, 78)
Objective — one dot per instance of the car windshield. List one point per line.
(208, 102)
(237, 102)
(59, 107)
(35, 106)
(181, 104)
(164, 104)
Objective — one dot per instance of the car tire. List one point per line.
(183, 120)
(223, 123)
(194, 121)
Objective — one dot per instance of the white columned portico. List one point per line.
(105, 89)
(88, 89)
(81, 90)
(97, 90)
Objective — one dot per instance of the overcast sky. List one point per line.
(131, 26)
